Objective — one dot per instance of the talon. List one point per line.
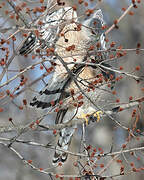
(84, 116)
(97, 115)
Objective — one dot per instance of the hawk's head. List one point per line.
(93, 24)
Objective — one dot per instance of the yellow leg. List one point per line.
(97, 115)
(86, 116)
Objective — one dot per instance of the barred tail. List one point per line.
(63, 144)
(28, 45)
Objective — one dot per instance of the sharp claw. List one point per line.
(84, 116)
(97, 115)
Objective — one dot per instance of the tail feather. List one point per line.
(63, 144)
(28, 45)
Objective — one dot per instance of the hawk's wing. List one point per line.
(51, 93)
(48, 31)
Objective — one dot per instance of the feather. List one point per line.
(48, 31)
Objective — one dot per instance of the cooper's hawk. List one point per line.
(72, 44)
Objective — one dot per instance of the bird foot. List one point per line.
(97, 115)
(86, 116)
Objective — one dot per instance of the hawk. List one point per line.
(73, 84)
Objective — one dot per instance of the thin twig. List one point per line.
(119, 19)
